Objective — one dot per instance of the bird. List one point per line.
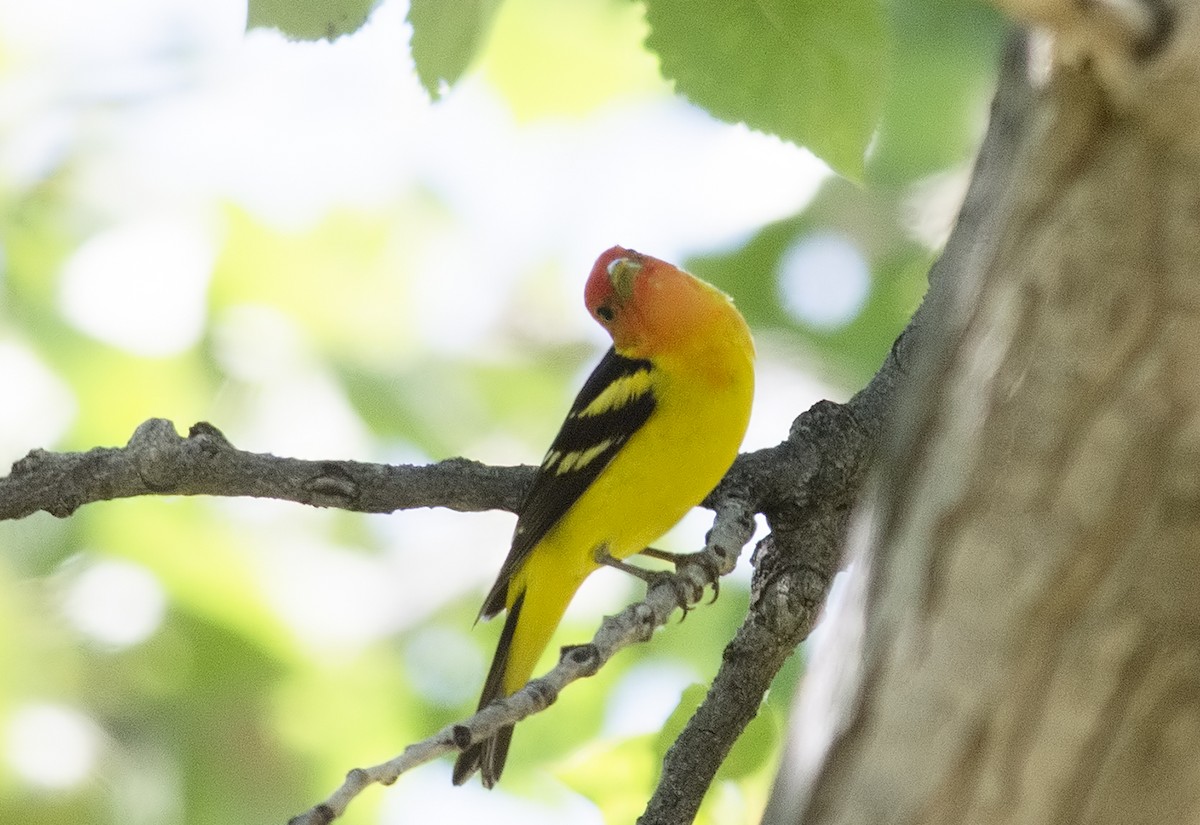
(655, 427)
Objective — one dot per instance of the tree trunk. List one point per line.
(1020, 642)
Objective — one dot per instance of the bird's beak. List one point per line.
(622, 273)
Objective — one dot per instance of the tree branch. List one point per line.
(806, 506)
(157, 461)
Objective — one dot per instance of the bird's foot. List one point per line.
(702, 559)
(685, 589)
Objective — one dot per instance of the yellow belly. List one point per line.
(664, 470)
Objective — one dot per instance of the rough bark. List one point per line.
(1022, 639)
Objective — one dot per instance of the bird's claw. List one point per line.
(687, 592)
(704, 560)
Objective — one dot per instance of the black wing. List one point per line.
(614, 403)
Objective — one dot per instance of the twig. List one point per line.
(732, 529)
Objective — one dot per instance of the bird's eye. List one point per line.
(605, 312)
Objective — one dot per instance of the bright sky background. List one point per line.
(172, 111)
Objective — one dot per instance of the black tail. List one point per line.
(489, 755)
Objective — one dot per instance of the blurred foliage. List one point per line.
(554, 58)
(846, 355)
(228, 712)
(943, 55)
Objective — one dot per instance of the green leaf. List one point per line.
(446, 38)
(809, 71)
(309, 19)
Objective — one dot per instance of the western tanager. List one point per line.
(653, 430)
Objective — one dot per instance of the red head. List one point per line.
(653, 308)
